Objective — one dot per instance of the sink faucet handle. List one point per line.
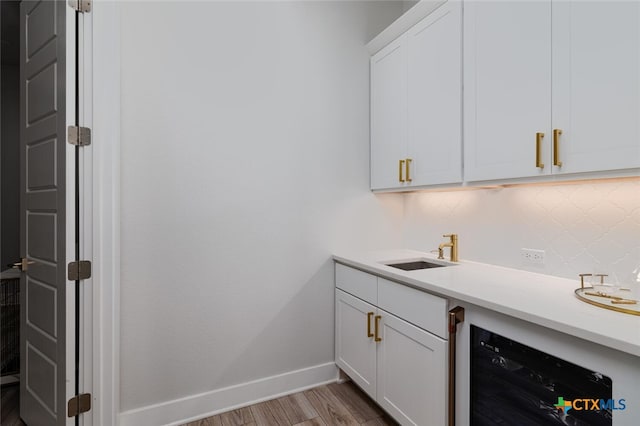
(453, 244)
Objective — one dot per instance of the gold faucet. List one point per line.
(454, 247)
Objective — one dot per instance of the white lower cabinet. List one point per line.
(412, 373)
(401, 366)
(355, 350)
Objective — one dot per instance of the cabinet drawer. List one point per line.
(417, 307)
(357, 283)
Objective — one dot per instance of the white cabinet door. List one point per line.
(412, 373)
(435, 96)
(507, 81)
(596, 84)
(388, 114)
(355, 349)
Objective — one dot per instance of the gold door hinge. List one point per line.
(79, 404)
(79, 136)
(82, 6)
(80, 270)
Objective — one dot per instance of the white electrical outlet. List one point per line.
(532, 256)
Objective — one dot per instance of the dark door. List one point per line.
(43, 214)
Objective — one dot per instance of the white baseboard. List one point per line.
(207, 404)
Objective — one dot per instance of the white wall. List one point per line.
(406, 5)
(245, 153)
(579, 226)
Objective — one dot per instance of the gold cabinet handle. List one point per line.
(376, 330)
(539, 137)
(556, 143)
(408, 165)
(400, 166)
(369, 315)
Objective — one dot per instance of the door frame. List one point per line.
(100, 212)
(70, 361)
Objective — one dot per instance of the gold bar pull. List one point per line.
(376, 330)
(556, 143)
(408, 165)
(539, 137)
(369, 315)
(400, 166)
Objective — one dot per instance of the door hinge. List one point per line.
(82, 6)
(80, 270)
(79, 136)
(79, 404)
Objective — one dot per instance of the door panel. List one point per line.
(44, 319)
(596, 84)
(435, 96)
(42, 209)
(41, 381)
(41, 27)
(412, 373)
(41, 233)
(41, 101)
(41, 172)
(355, 351)
(507, 81)
(388, 114)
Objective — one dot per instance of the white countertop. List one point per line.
(541, 299)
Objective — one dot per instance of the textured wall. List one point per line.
(580, 226)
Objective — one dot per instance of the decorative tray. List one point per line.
(619, 300)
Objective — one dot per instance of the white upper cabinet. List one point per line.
(388, 114)
(596, 84)
(551, 87)
(416, 104)
(435, 97)
(507, 88)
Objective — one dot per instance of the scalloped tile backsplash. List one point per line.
(580, 226)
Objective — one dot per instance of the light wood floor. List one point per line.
(334, 404)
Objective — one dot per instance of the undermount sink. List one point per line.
(414, 265)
